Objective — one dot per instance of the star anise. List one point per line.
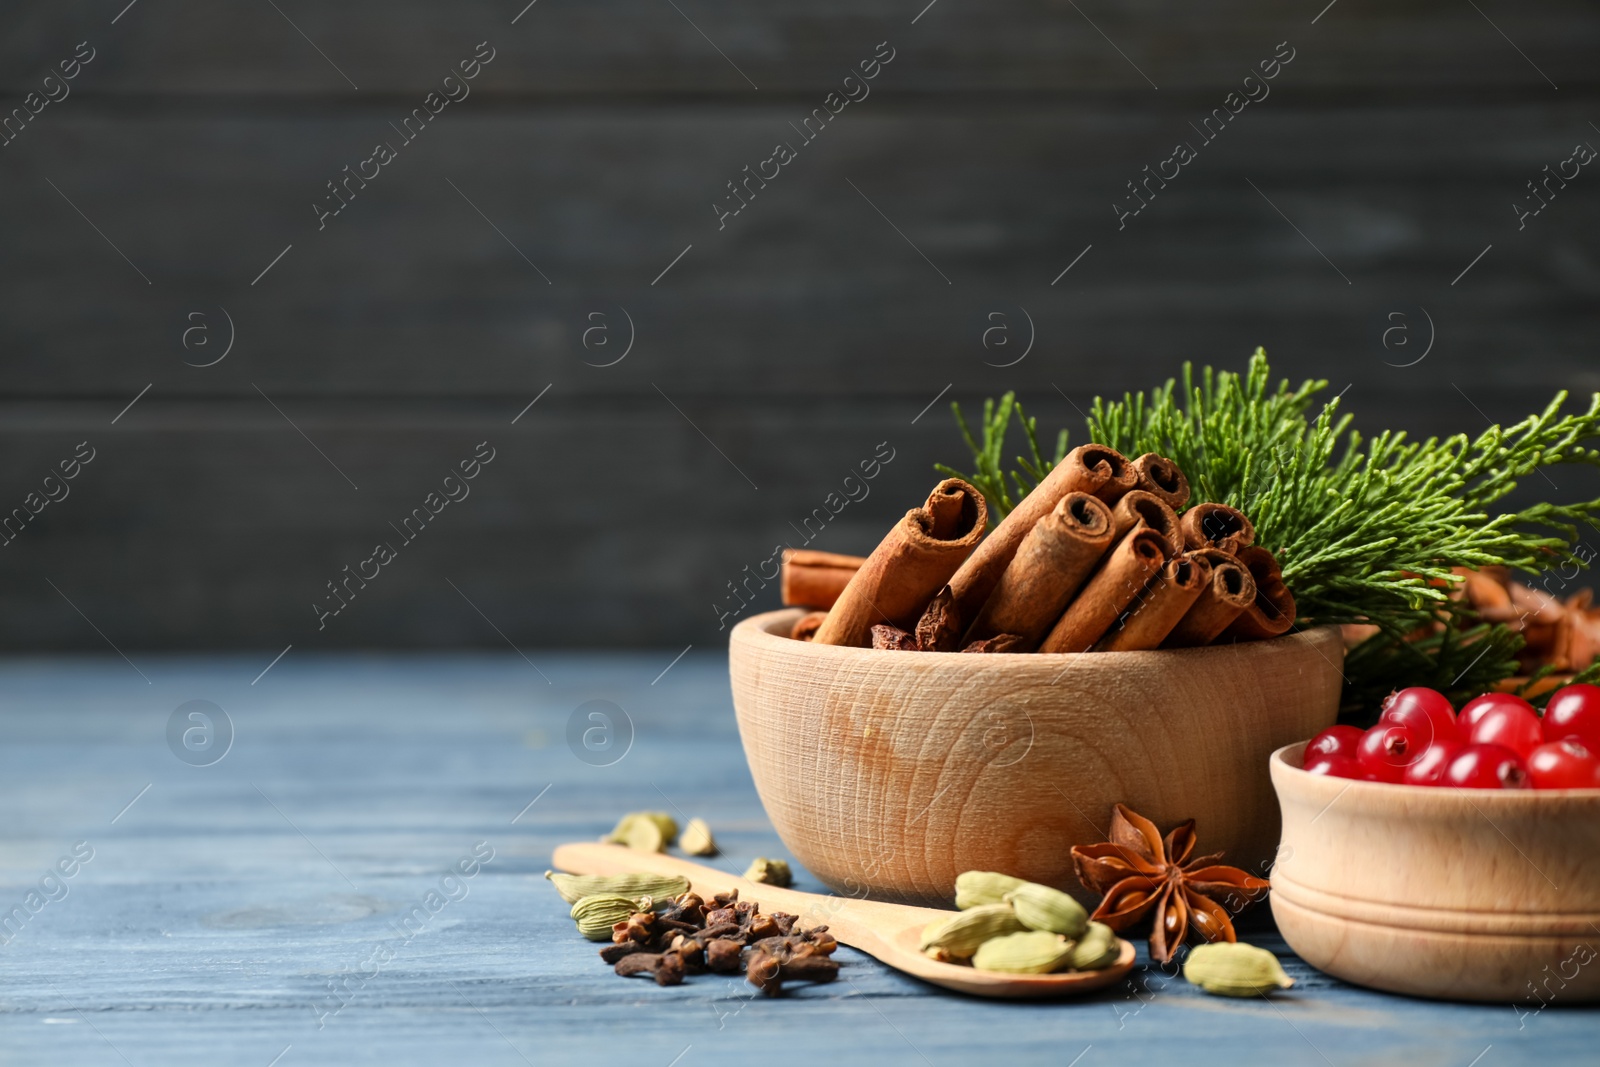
(1137, 872)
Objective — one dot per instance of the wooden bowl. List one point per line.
(889, 773)
(1462, 894)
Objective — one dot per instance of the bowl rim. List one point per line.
(1284, 771)
(755, 631)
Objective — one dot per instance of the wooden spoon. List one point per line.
(889, 933)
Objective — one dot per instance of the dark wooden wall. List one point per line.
(775, 353)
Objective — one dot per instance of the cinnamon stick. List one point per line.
(1050, 565)
(1138, 507)
(1159, 608)
(1135, 559)
(909, 566)
(1094, 469)
(1272, 611)
(1164, 478)
(1229, 592)
(805, 627)
(814, 579)
(1217, 526)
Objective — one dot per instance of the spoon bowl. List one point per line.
(889, 933)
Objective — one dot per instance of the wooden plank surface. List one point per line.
(220, 904)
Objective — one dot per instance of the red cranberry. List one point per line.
(1334, 766)
(1387, 749)
(1509, 721)
(1574, 712)
(1566, 764)
(1426, 711)
(1334, 741)
(1486, 767)
(1428, 769)
(1474, 709)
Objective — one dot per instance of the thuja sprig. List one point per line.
(988, 475)
(1366, 531)
(1460, 660)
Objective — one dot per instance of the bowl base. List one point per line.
(1527, 971)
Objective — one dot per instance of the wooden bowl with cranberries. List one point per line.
(1448, 855)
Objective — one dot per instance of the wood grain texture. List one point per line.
(895, 772)
(206, 926)
(1455, 893)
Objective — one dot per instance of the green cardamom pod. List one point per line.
(696, 839)
(646, 831)
(1039, 907)
(1030, 952)
(644, 835)
(597, 914)
(959, 936)
(770, 872)
(1235, 970)
(1097, 948)
(574, 887)
(977, 888)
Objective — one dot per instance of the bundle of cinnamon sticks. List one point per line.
(1097, 557)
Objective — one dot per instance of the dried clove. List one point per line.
(939, 629)
(614, 952)
(810, 969)
(640, 926)
(779, 959)
(998, 643)
(670, 970)
(691, 952)
(638, 963)
(725, 935)
(763, 972)
(893, 639)
(722, 956)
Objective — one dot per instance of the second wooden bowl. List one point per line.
(1462, 894)
(889, 773)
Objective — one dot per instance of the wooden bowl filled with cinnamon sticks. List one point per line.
(1129, 647)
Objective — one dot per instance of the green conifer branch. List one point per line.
(1366, 531)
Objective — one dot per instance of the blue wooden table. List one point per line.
(302, 899)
